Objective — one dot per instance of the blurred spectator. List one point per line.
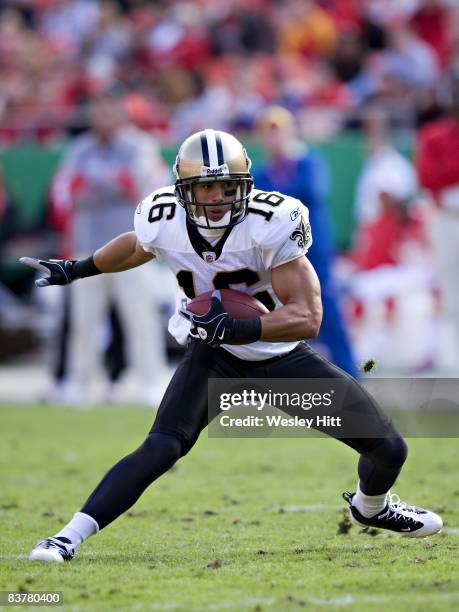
(386, 177)
(390, 279)
(66, 24)
(438, 167)
(409, 58)
(104, 174)
(178, 37)
(3, 209)
(189, 64)
(107, 46)
(305, 29)
(386, 12)
(194, 59)
(301, 172)
(2, 197)
(431, 20)
(242, 26)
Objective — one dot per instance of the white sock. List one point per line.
(79, 528)
(368, 505)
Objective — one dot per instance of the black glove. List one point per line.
(59, 271)
(217, 327)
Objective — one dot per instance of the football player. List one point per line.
(215, 230)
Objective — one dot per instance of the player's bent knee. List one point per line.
(392, 452)
(161, 449)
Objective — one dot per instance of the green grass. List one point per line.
(237, 525)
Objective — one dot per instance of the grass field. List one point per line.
(236, 525)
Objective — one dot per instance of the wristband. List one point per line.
(246, 329)
(84, 268)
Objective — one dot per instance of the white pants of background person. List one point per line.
(133, 293)
(444, 236)
(405, 341)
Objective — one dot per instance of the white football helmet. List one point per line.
(209, 156)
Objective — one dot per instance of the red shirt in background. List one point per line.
(437, 155)
(430, 24)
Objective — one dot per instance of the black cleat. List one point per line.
(399, 517)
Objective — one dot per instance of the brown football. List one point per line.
(237, 304)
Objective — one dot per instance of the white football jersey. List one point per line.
(275, 231)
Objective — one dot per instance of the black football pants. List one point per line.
(183, 414)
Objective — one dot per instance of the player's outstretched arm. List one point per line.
(122, 253)
(297, 286)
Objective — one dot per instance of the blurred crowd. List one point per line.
(181, 63)
(116, 80)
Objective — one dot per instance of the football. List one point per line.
(237, 304)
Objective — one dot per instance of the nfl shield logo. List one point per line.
(209, 257)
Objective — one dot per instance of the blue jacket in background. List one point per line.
(306, 176)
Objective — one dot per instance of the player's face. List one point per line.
(217, 196)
